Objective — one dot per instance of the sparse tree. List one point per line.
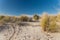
(36, 17)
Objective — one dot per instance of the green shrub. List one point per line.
(44, 21)
(58, 18)
(48, 23)
(6, 19)
(52, 24)
(52, 27)
(14, 19)
(1, 17)
(36, 17)
(24, 18)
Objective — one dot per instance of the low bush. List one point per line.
(24, 18)
(48, 23)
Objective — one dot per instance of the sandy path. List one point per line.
(17, 32)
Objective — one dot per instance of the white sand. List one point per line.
(16, 32)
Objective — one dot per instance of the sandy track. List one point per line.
(16, 32)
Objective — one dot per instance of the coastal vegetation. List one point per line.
(49, 23)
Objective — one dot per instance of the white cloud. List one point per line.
(5, 14)
(49, 13)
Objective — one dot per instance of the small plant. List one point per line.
(52, 24)
(2, 22)
(58, 18)
(14, 19)
(52, 27)
(24, 18)
(6, 19)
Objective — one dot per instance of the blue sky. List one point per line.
(30, 7)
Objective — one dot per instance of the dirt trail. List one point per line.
(16, 32)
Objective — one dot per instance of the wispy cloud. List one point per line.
(57, 8)
(6, 14)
